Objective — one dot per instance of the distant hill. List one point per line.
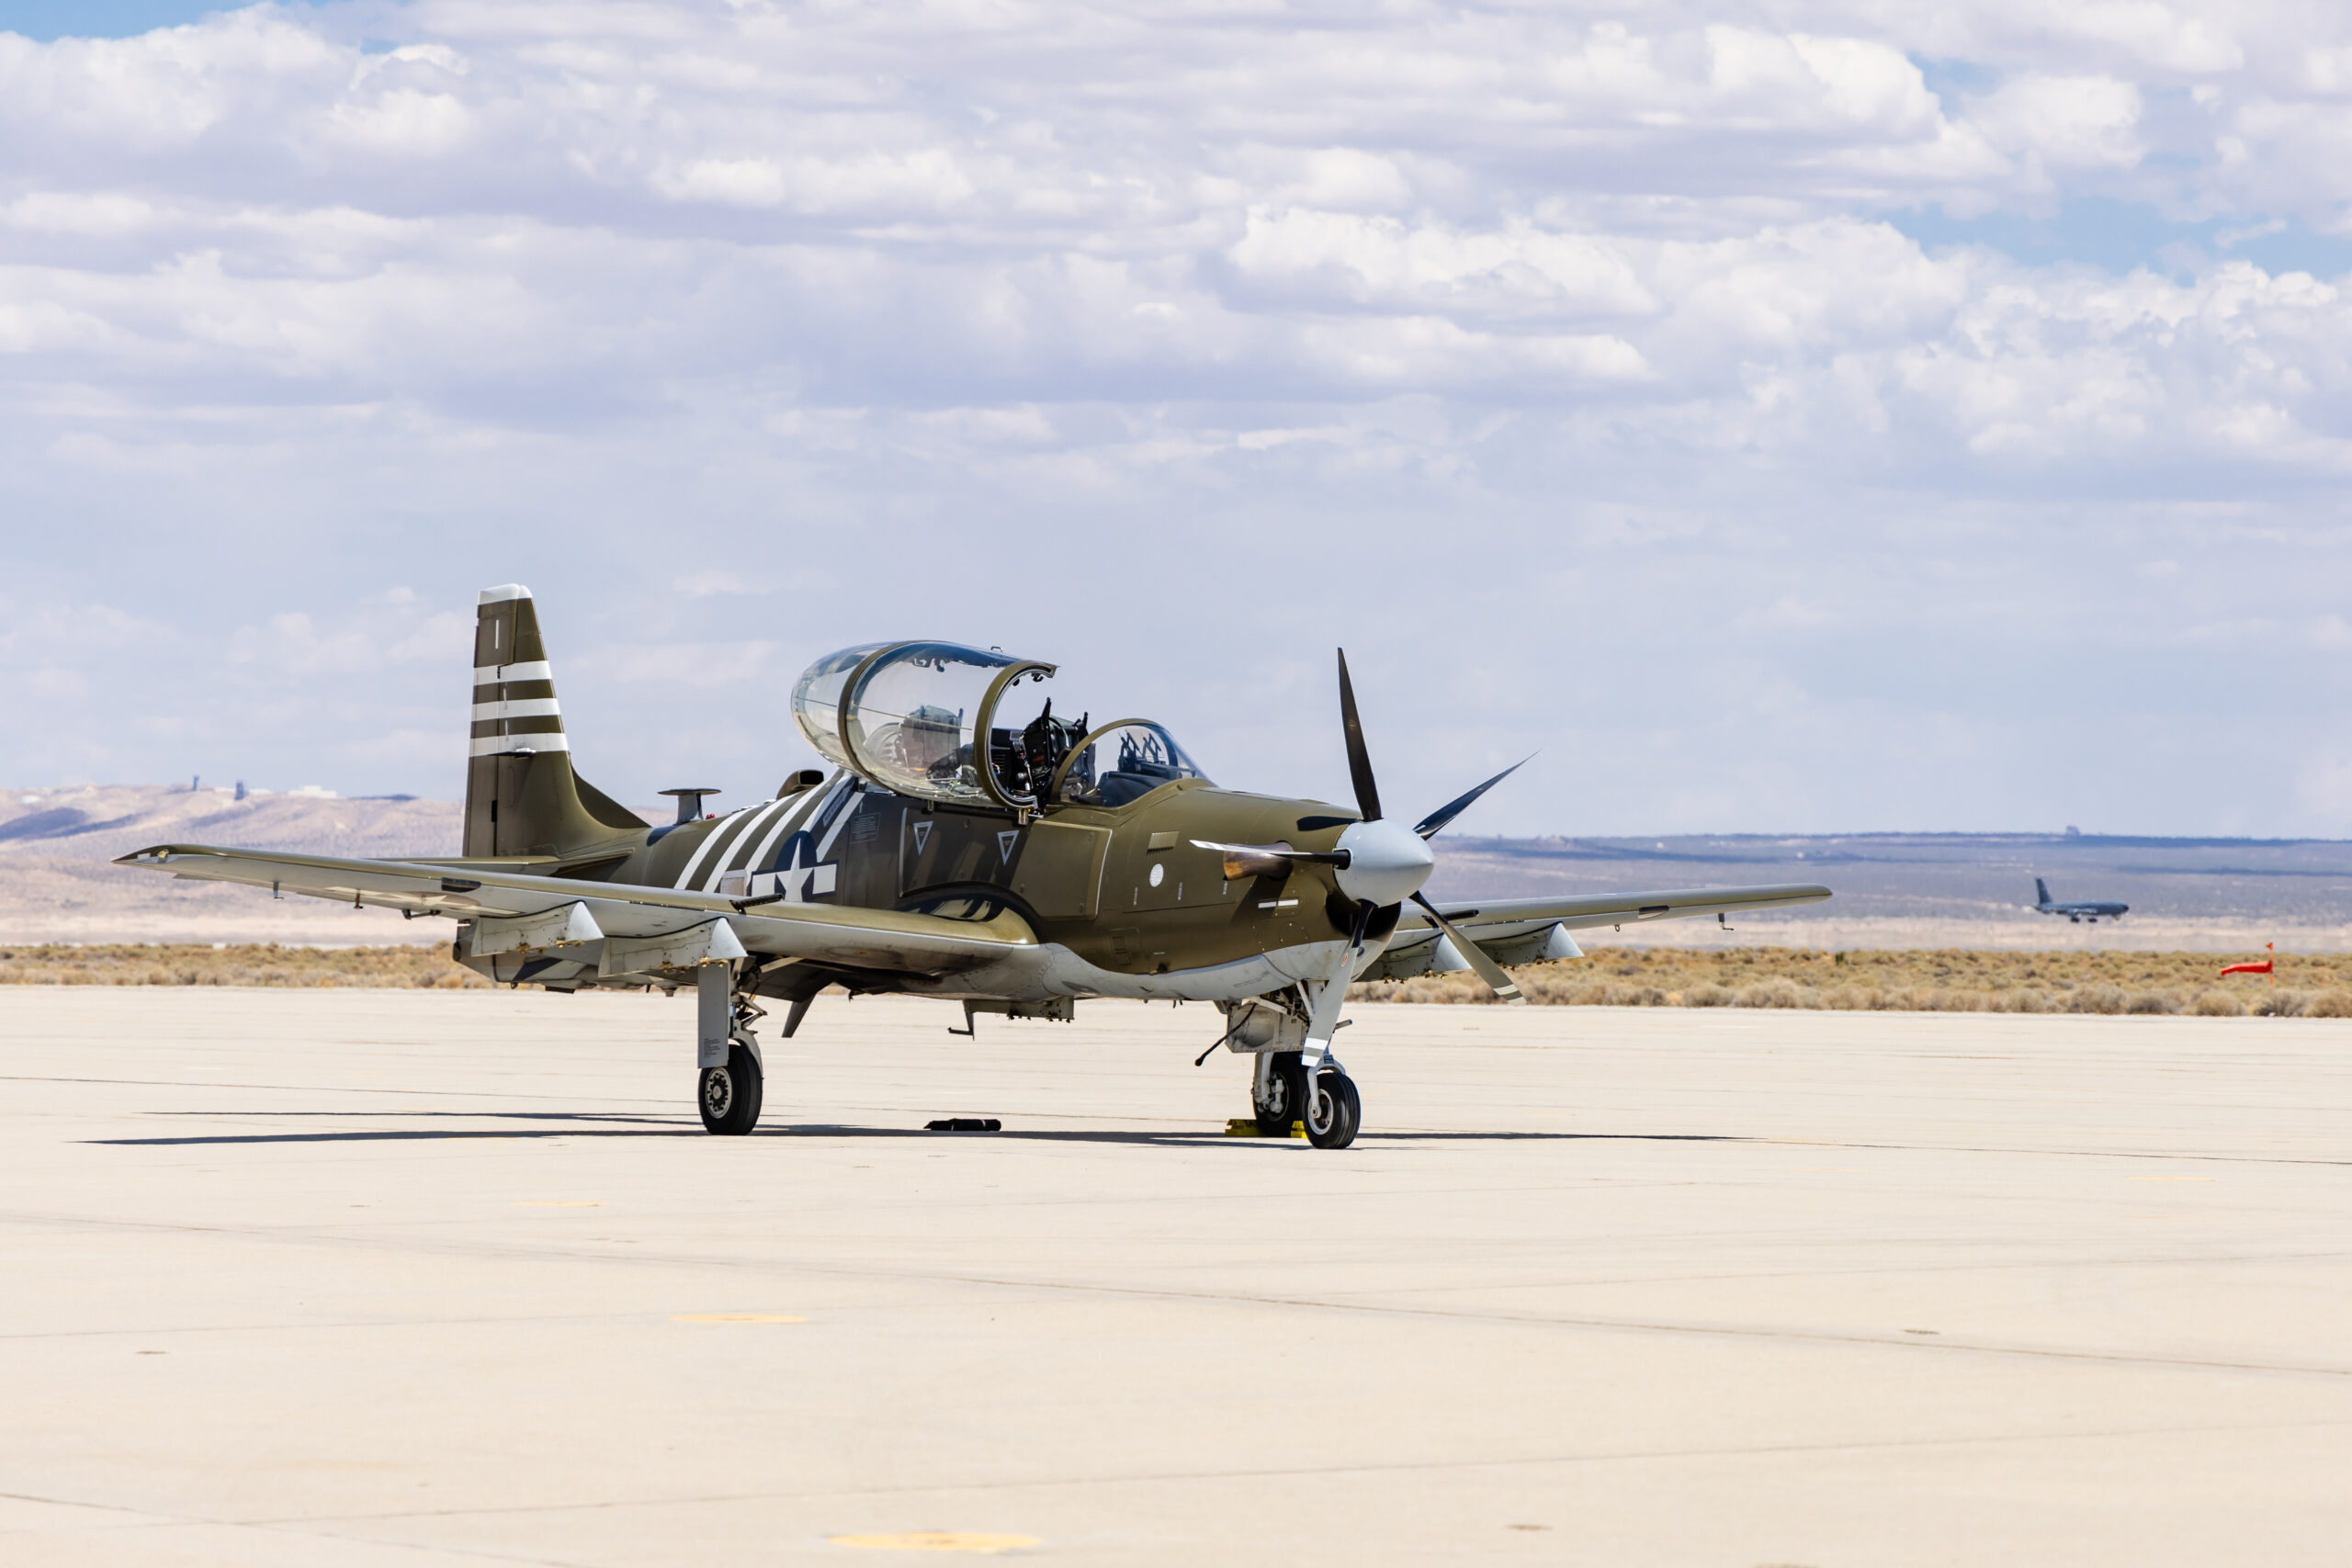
(1893, 889)
(56, 884)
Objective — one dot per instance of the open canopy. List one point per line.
(966, 725)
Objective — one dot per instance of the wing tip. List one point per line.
(157, 853)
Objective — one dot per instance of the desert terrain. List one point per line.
(1893, 891)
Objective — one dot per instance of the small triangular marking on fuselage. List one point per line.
(1005, 843)
(923, 832)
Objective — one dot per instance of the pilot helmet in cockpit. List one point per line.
(927, 737)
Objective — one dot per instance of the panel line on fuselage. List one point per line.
(841, 820)
(797, 811)
(754, 819)
(702, 852)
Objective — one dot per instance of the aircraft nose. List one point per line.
(1388, 862)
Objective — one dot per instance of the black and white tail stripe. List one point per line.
(515, 704)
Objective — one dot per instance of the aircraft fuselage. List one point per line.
(1123, 889)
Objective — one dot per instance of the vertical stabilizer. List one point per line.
(521, 796)
(2041, 890)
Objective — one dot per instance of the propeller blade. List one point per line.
(1489, 970)
(1453, 808)
(1242, 861)
(1359, 757)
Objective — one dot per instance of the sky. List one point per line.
(1829, 416)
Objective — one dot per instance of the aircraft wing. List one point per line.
(1519, 930)
(535, 913)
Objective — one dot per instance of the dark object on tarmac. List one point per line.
(965, 1125)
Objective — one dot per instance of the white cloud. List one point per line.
(743, 331)
(2086, 122)
(443, 639)
(403, 122)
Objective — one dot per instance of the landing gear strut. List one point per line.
(730, 1087)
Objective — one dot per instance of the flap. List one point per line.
(865, 939)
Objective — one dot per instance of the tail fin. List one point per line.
(521, 796)
(2042, 890)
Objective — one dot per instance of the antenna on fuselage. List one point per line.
(689, 802)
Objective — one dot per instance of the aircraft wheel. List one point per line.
(730, 1095)
(1285, 1094)
(1333, 1112)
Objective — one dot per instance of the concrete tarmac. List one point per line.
(367, 1280)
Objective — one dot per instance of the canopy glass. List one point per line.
(911, 717)
(1122, 763)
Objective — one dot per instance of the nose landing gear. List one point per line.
(1278, 1095)
(1333, 1110)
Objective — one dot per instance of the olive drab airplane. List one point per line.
(967, 844)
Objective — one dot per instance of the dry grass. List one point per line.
(2308, 986)
(141, 964)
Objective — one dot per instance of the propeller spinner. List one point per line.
(1387, 870)
(1377, 862)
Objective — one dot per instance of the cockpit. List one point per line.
(963, 725)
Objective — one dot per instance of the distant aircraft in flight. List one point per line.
(2074, 912)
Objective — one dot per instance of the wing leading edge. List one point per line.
(538, 913)
(1519, 931)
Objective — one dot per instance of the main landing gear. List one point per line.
(730, 1087)
(1278, 1095)
(730, 1095)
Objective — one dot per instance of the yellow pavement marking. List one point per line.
(557, 1204)
(736, 1317)
(937, 1541)
(2172, 1179)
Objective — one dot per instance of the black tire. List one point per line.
(729, 1096)
(1337, 1109)
(1285, 1097)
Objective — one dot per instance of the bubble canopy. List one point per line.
(942, 722)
